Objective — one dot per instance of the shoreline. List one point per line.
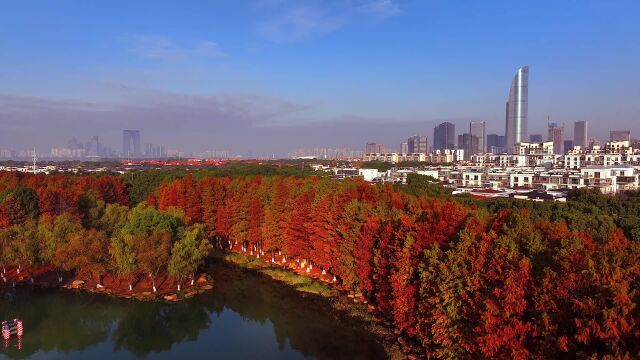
(44, 277)
(396, 346)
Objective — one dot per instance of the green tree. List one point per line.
(123, 257)
(114, 218)
(24, 244)
(188, 254)
(144, 221)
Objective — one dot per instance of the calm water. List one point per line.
(246, 316)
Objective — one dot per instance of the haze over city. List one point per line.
(266, 77)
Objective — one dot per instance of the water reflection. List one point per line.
(246, 316)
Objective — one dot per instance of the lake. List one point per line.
(246, 316)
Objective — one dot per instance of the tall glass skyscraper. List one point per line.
(518, 109)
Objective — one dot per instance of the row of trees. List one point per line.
(463, 281)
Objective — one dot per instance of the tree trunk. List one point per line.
(130, 287)
(178, 287)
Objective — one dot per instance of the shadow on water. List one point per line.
(246, 316)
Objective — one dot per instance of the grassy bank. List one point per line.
(341, 302)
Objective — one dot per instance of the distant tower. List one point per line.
(517, 109)
(535, 138)
(131, 143)
(35, 158)
(580, 134)
(556, 134)
(620, 135)
(444, 136)
(477, 130)
(417, 145)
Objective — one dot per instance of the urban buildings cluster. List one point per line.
(131, 148)
(326, 153)
(477, 141)
(517, 160)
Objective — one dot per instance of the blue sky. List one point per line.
(273, 75)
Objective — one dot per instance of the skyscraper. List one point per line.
(373, 148)
(517, 109)
(568, 145)
(468, 143)
(620, 135)
(477, 130)
(495, 143)
(93, 147)
(556, 134)
(131, 143)
(444, 136)
(417, 145)
(535, 138)
(580, 134)
(404, 148)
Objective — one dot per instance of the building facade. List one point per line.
(417, 145)
(477, 129)
(373, 148)
(580, 134)
(517, 109)
(444, 136)
(496, 143)
(131, 143)
(619, 135)
(556, 134)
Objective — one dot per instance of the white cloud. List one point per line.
(295, 20)
(165, 48)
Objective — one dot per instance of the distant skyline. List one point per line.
(271, 76)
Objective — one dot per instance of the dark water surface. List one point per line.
(246, 316)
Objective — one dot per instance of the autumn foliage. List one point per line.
(462, 282)
(459, 280)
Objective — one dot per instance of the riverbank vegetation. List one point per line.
(83, 225)
(459, 277)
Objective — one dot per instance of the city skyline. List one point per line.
(265, 77)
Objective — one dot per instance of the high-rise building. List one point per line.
(444, 136)
(417, 145)
(468, 143)
(620, 135)
(580, 134)
(568, 145)
(556, 134)
(495, 143)
(535, 138)
(373, 148)
(93, 148)
(404, 148)
(478, 130)
(517, 109)
(131, 143)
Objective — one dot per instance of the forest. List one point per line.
(462, 277)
